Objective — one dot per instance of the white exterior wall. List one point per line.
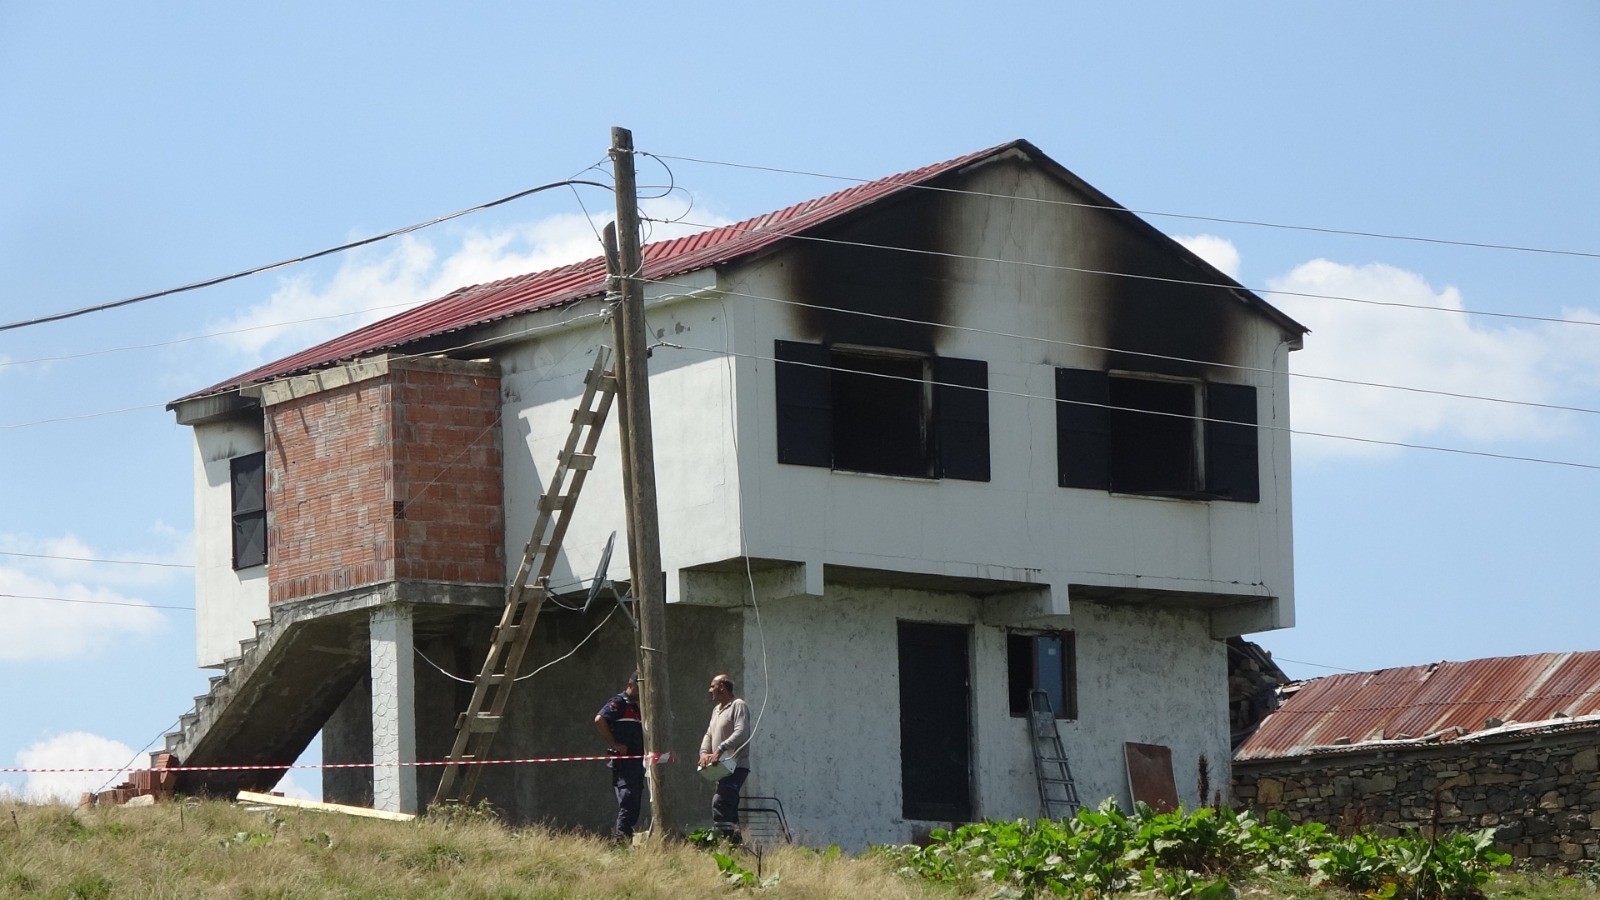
(828, 741)
(1021, 525)
(227, 602)
(696, 476)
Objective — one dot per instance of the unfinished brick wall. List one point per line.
(394, 474)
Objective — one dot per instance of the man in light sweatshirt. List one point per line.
(726, 739)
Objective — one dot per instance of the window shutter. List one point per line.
(961, 410)
(805, 414)
(1233, 468)
(1083, 431)
(248, 475)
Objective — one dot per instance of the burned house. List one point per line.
(922, 446)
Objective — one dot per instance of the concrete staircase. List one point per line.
(271, 699)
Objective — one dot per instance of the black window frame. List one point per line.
(1023, 671)
(1226, 443)
(247, 481)
(954, 409)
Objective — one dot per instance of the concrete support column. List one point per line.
(394, 704)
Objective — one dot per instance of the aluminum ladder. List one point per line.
(1057, 794)
(476, 728)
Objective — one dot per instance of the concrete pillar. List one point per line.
(394, 732)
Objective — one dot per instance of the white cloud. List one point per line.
(1218, 251)
(1422, 348)
(377, 282)
(74, 750)
(289, 787)
(47, 616)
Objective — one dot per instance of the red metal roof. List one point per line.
(479, 304)
(1444, 700)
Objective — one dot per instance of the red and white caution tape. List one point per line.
(659, 759)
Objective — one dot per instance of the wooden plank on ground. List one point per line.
(275, 800)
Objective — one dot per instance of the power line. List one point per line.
(93, 415)
(197, 337)
(124, 562)
(462, 346)
(1482, 245)
(255, 270)
(1147, 355)
(1159, 279)
(95, 602)
(1258, 426)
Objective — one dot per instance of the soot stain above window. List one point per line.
(1167, 320)
(871, 279)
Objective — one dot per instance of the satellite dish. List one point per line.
(600, 573)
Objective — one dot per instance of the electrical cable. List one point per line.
(453, 677)
(96, 602)
(1191, 418)
(255, 270)
(123, 562)
(1161, 279)
(197, 337)
(744, 545)
(466, 345)
(129, 766)
(1144, 354)
(1482, 245)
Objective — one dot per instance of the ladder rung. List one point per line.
(584, 417)
(477, 722)
(548, 503)
(582, 462)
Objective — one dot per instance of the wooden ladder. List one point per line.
(1057, 793)
(476, 728)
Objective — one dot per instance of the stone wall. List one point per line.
(1541, 793)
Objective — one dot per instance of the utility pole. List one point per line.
(644, 527)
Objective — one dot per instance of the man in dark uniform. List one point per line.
(619, 725)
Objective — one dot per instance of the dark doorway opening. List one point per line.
(935, 722)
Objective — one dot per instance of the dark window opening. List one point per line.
(880, 414)
(1153, 436)
(1042, 662)
(248, 475)
(883, 412)
(1139, 435)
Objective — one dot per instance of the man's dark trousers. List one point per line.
(628, 777)
(725, 803)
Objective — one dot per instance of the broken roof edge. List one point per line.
(1448, 736)
(563, 285)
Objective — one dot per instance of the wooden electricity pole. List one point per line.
(644, 527)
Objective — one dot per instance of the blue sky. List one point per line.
(152, 145)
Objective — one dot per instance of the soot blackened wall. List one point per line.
(861, 273)
(1141, 315)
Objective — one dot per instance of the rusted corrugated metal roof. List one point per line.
(1441, 701)
(484, 303)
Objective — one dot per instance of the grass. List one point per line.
(219, 849)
